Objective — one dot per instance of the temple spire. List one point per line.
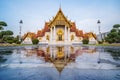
(60, 7)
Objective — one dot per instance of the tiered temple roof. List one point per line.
(58, 17)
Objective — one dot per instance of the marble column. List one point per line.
(65, 34)
(51, 52)
(68, 34)
(51, 34)
(54, 33)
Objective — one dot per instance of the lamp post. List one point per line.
(98, 22)
(20, 23)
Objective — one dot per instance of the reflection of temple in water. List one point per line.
(60, 56)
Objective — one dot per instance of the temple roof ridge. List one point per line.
(60, 15)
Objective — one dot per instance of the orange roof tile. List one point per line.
(89, 34)
(78, 32)
(30, 34)
(46, 28)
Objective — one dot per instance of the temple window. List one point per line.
(60, 38)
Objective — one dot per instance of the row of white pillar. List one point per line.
(67, 34)
(53, 52)
(53, 34)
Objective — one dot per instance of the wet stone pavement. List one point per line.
(59, 63)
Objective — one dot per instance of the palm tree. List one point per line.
(2, 24)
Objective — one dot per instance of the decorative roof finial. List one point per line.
(60, 6)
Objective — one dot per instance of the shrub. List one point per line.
(85, 41)
(15, 40)
(18, 42)
(100, 42)
(35, 41)
(10, 41)
(1, 41)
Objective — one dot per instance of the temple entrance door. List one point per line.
(59, 37)
(60, 34)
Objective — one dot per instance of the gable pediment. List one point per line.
(60, 19)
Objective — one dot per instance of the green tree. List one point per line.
(114, 35)
(5, 33)
(35, 41)
(16, 40)
(0, 35)
(6, 36)
(113, 30)
(116, 26)
(8, 39)
(9, 32)
(2, 24)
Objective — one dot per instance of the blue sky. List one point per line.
(85, 13)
